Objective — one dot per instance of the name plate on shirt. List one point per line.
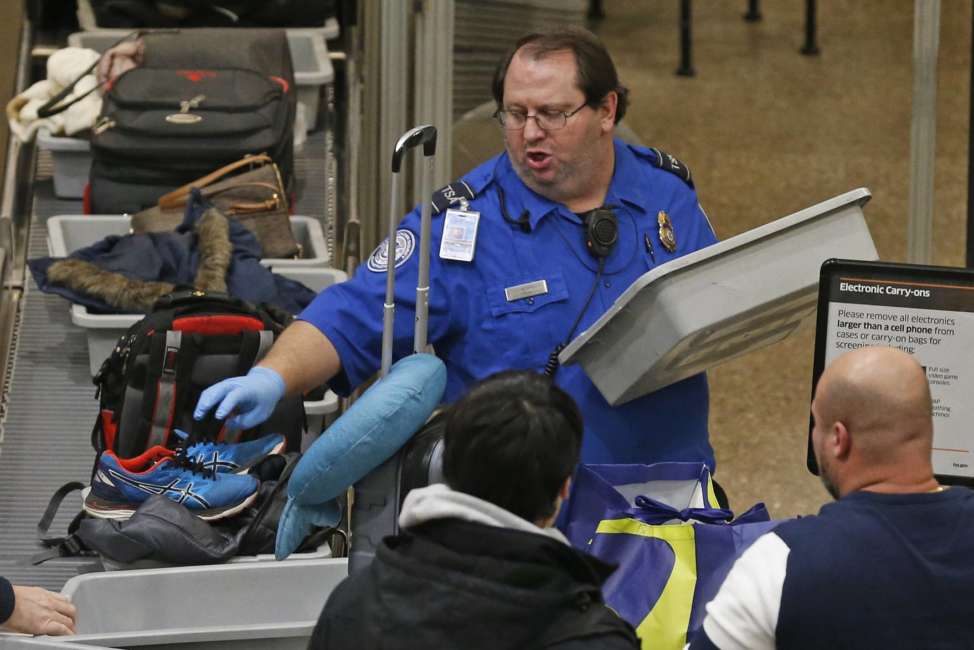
(459, 235)
(526, 290)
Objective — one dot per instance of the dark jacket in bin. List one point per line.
(450, 583)
(128, 274)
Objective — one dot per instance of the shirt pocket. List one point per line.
(518, 333)
(499, 305)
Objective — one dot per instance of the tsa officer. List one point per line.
(529, 249)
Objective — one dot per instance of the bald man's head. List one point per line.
(881, 397)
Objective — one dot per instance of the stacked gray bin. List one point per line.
(267, 605)
(71, 157)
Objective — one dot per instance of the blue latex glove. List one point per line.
(251, 398)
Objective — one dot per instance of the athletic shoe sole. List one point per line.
(110, 510)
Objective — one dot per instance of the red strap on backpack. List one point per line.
(216, 325)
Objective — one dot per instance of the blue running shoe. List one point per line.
(121, 485)
(223, 457)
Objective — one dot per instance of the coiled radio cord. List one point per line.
(552, 364)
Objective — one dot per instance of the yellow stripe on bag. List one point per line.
(665, 627)
(711, 493)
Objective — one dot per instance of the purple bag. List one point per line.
(673, 545)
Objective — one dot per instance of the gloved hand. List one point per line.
(250, 398)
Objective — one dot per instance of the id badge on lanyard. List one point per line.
(459, 235)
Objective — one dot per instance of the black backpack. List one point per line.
(201, 99)
(148, 387)
(150, 383)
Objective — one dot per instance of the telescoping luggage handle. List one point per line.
(426, 136)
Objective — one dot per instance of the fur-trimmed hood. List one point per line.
(132, 295)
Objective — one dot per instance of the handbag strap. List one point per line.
(53, 107)
(178, 196)
(264, 508)
(67, 546)
(243, 207)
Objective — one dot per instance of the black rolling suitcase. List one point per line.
(379, 495)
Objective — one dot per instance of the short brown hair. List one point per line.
(596, 73)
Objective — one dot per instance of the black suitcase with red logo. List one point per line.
(201, 99)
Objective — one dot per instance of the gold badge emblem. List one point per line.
(666, 235)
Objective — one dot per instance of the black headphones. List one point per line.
(601, 231)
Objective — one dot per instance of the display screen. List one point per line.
(925, 311)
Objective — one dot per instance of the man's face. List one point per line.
(820, 430)
(559, 164)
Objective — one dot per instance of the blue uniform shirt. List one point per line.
(477, 331)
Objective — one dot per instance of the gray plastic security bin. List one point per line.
(309, 56)
(267, 605)
(23, 642)
(71, 158)
(67, 233)
(720, 302)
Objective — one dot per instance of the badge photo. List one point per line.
(405, 245)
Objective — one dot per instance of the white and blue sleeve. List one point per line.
(744, 613)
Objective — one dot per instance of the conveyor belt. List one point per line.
(45, 436)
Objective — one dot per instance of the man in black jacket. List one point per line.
(477, 564)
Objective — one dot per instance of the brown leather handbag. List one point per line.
(254, 197)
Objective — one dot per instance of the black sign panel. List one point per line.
(926, 311)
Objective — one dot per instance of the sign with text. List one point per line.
(923, 310)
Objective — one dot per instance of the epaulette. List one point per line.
(669, 163)
(458, 192)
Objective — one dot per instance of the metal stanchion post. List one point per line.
(753, 14)
(923, 131)
(686, 53)
(596, 10)
(810, 48)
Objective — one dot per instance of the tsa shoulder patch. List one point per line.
(669, 163)
(405, 245)
(458, 193)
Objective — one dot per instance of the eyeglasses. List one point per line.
(549, 120)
